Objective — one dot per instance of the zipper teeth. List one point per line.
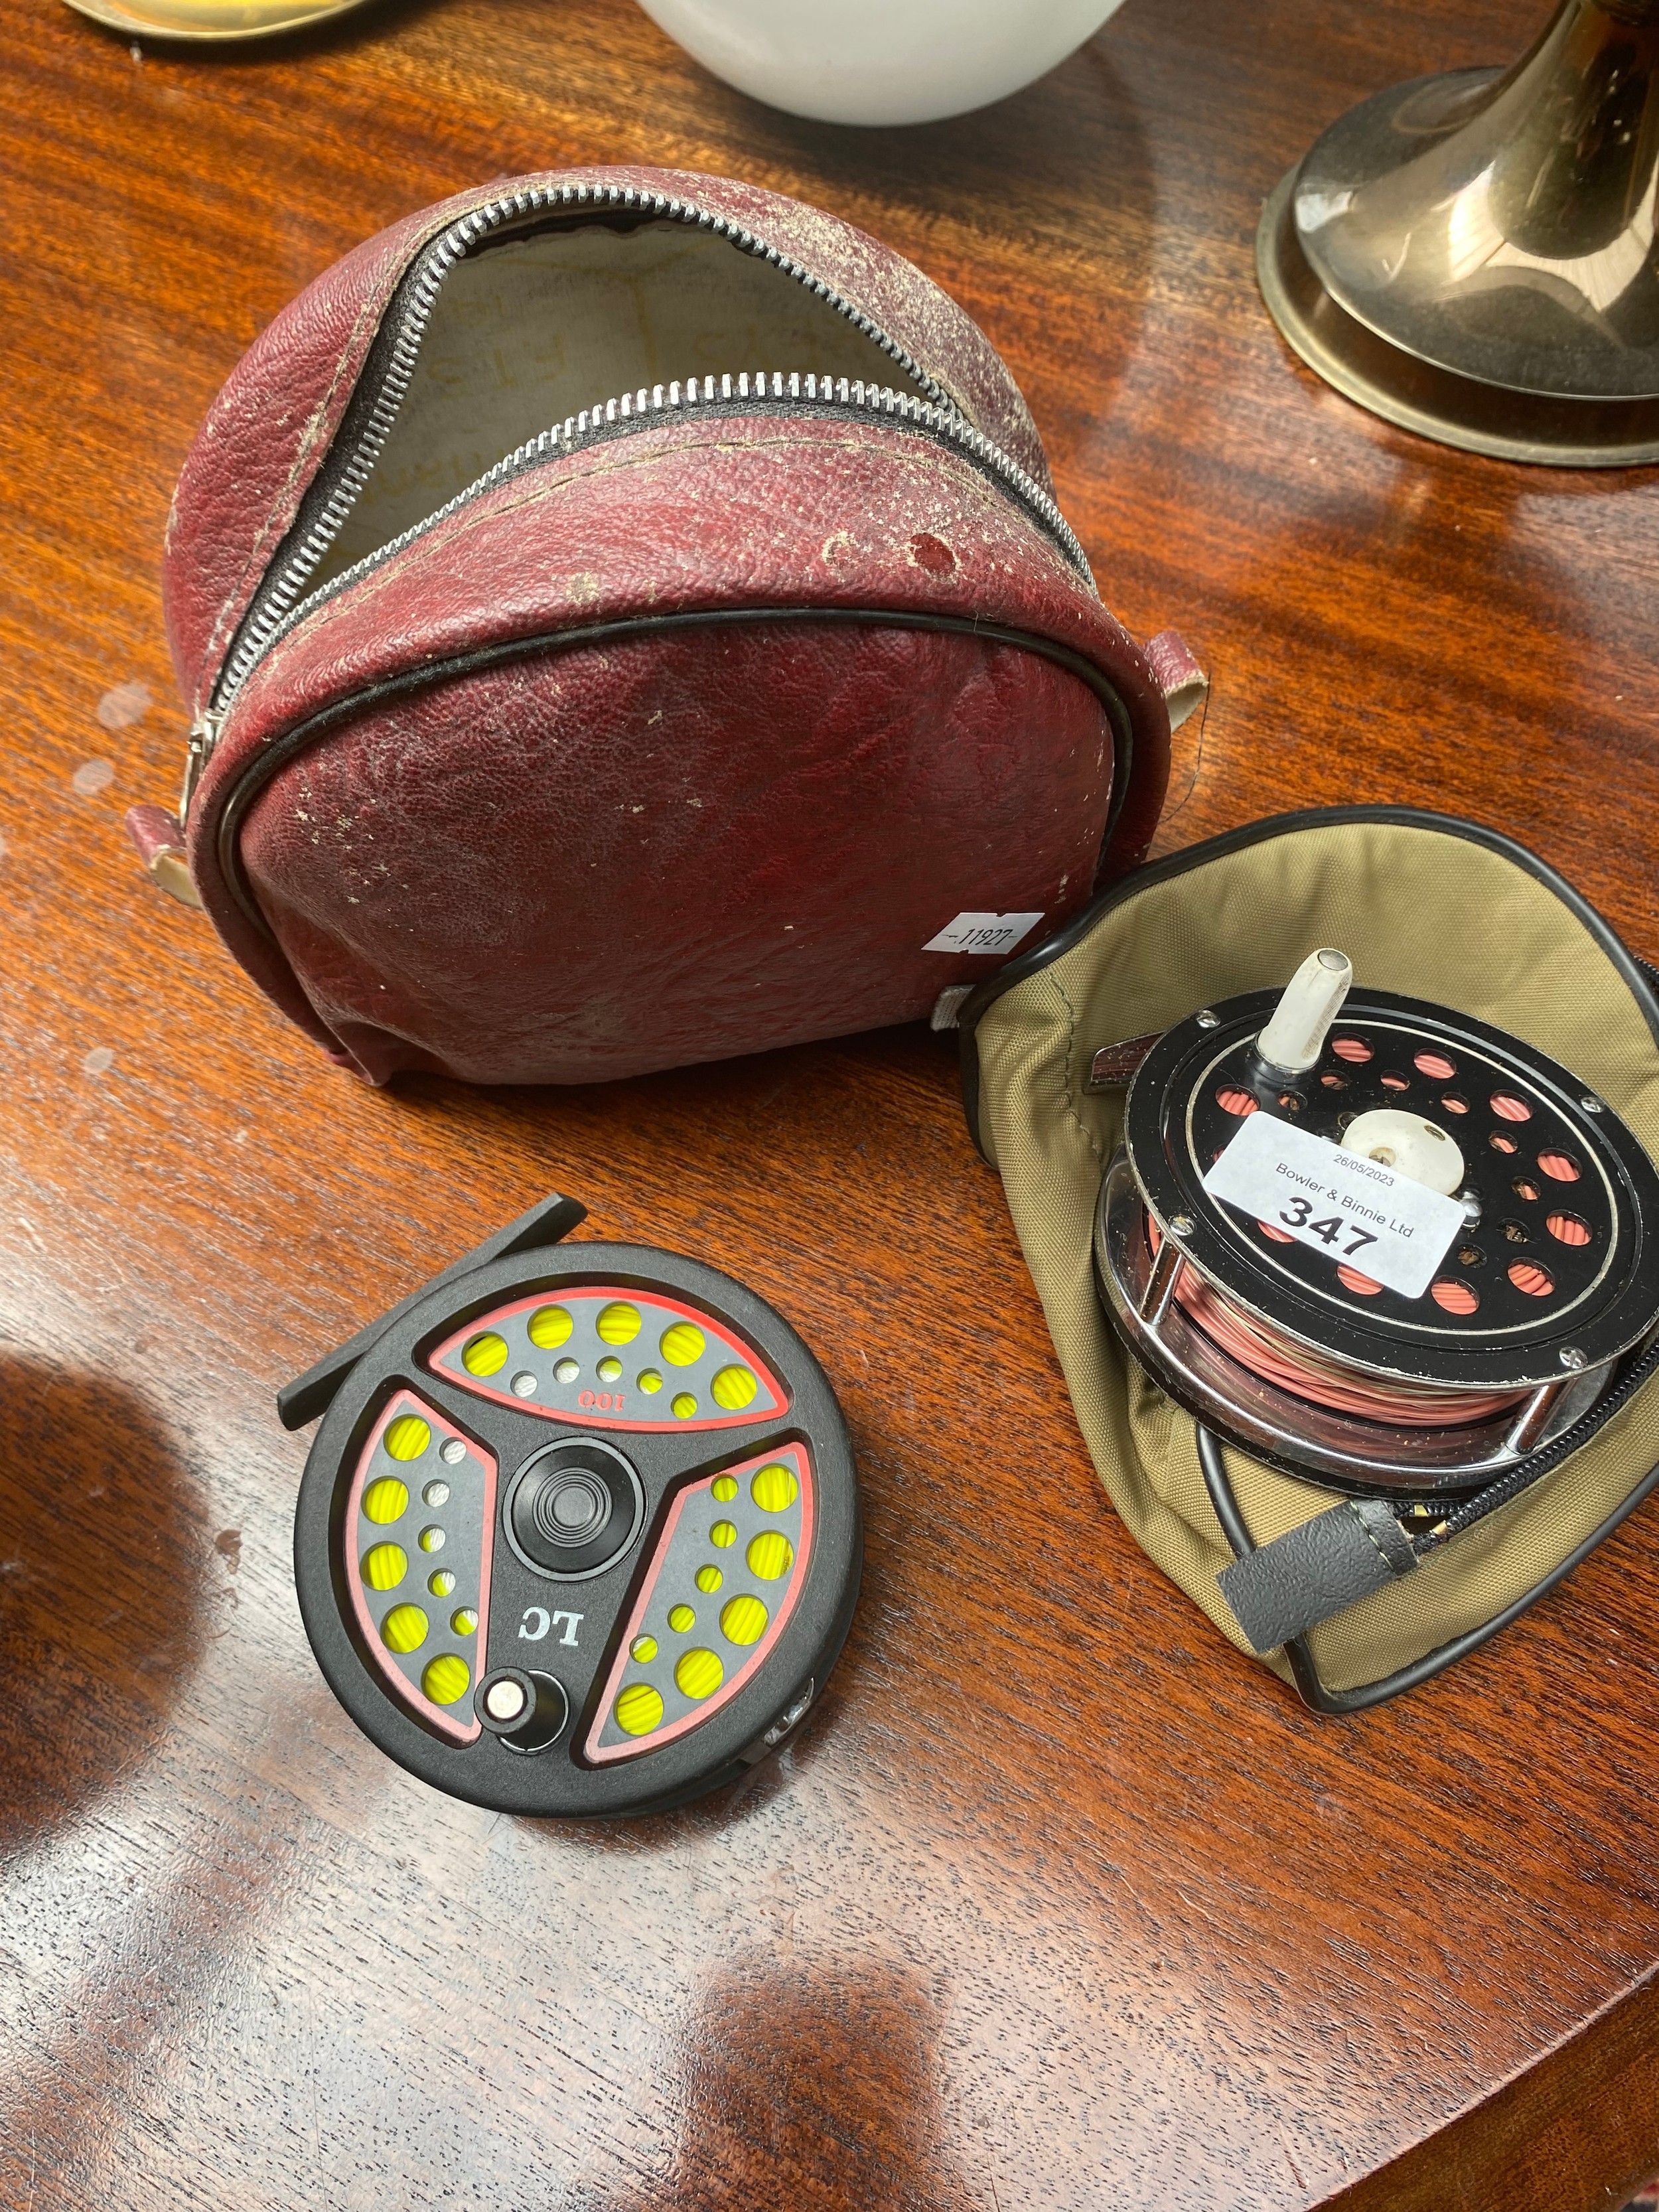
(455, 244)
(1521, 1477)
(638, 407)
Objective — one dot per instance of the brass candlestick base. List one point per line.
(1473, 256)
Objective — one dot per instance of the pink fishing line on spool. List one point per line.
(1291, 1367)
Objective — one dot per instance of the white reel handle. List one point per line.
(1295, 1035)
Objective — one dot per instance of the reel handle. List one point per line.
(1295, 1035)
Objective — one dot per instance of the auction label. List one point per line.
(1366, 1216)
(993, 934)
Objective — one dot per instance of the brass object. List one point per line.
(1473, 256)
(211, 19)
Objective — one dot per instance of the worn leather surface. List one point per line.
(586, 904)
(618, 856)
(700, 842)
(271, 427)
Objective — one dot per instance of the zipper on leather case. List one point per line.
(794, 395)
(283, 598)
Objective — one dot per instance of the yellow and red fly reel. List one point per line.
(579, 1531)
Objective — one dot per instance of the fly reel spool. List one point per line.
(1520, 1213)
(579, 1531)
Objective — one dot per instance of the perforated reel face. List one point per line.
(1555, 1270)
(579, 1538)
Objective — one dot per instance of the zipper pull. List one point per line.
(159, 836)
(203, 737)
(160, 843)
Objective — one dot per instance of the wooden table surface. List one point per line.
(1058, 1902)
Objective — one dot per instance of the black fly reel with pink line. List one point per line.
(579, 1533)
(1379, 1246)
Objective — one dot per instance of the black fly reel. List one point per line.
(579, 1531)
(1279, 1341)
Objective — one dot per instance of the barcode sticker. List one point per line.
(1382, 1224)
(983, 933)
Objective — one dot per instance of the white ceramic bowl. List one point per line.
(879, 61)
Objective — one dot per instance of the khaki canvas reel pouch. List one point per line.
(1373, 1582)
